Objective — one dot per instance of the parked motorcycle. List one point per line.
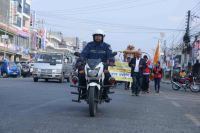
(185, 83)
(25, 71)
(94, 74)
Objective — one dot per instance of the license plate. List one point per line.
(14, 73)
(43, 75)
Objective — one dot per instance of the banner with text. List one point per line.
(121, 72)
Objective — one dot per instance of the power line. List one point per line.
(113, 25)
(109, 31)
(102, 10)
(178, 38)
(90, 7)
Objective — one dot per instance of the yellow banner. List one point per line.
(121, 72)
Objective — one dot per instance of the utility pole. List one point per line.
(186, 38)
(165, 48)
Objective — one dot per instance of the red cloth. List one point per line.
(147, 70)
(157, 72)
(148, 62)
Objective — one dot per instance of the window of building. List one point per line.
(26, 8)
(22, 42)
(19, 22)
(19, 7)
(24, 22)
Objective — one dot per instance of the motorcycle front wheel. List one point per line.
(175, 86)
(92, 101)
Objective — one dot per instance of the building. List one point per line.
(71, 43)
(82, 45)
(7, 33)
(54, 39)
(15, 23)
(4, 10)
(196, 49)
(20, 19)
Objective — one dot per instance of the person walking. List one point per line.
(145, 76)
(196, 69)
(127, 84)
(157, 71)
(136, 65)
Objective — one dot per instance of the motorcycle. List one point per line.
(185, 83)
(94, 75)
(25, 71)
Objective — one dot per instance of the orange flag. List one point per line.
(157, 54)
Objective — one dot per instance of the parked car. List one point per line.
(9, 69)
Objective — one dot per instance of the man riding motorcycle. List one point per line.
(97, 49)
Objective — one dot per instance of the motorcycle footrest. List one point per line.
(75, 93)
(111, 92)
(108, 86)
(76, 101)
(96, 100)
(76, 86)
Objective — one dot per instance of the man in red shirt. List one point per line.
(145, 76)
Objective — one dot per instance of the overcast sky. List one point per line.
(138, 22)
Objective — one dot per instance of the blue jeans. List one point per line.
(157, 84)
(136, 82)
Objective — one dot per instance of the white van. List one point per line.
(50, 66)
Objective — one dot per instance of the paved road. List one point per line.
(28, 107)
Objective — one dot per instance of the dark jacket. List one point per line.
(132, 64)
(97, 51)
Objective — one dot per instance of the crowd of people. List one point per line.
(141, 72)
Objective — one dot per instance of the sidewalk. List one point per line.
(166, 81)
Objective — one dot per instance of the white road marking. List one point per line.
(42, 105)
(193, 119)
(175, 104)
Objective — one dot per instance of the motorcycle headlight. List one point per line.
(93, 73)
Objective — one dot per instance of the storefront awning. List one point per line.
(9, 33)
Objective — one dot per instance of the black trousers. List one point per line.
(145, 83)
(157, 84)
(136, 86)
